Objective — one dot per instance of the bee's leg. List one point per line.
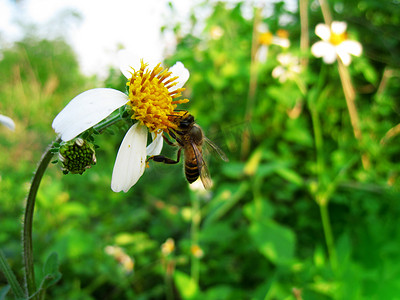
(173, 135)
(166, 160)
(168, 141)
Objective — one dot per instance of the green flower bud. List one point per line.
(76, 156)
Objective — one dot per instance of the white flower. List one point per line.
(335, 43)
(216, 32)
(120, 255)
(7, 121)
(267, 38)
(152, 93)
(289, 67)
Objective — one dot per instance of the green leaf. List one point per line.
(274, 241)
(4, 291)
(225, 201)
(50, 271)
(186, 285)
(10, 276)
(259, 209)
(291, 176)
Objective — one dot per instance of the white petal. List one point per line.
(179, 70)
(284, 59)
(128, 61)
(296, 69)
(131, 159)
(321, 48)
(284, 43)
(323, 31)
(338, 27)
(7, 121)
(156, 146)
(330, 57)
(278, 71)
(87, 109)
(262, 54)
(352, 47)
(344, 56)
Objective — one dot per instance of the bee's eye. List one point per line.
(185, 123)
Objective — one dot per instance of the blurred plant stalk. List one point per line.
(194, 236)
(348, 90)
(304, 36)
(322, 191)
(246, 140)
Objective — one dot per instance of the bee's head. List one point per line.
(186, 121)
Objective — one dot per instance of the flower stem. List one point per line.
(304, 37)
(348, 90)
(350, 96)
(194, 232)
(28, 221)
(326, 224)
(326, 12)
(246, 141)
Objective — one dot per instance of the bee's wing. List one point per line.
(214, 147)
(204, 173)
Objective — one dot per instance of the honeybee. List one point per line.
(190, 138)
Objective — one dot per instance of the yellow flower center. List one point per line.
(151, 96)
(282, 33)
(266, 38)
(337, 39)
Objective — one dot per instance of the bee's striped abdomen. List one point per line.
(192, 171)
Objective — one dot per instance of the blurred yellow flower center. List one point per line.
(266, 38)
(337, 39)
(196, 251)
(151, 96)
(282, 33)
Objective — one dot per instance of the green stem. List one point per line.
(28, 222)
(10, 276)
(326, 224)
(107, 123)
(30, 207)
(318, 139)
(246, 138)
(325, 189)
(196, 217)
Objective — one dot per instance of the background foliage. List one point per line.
(261, 229)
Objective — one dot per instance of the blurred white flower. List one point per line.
(119, 255)
(216, 32)
(289, 67)
(335, 43)
(168, 247)
(7, 121)
(198, 188)
(152, 93)
(267, 38)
